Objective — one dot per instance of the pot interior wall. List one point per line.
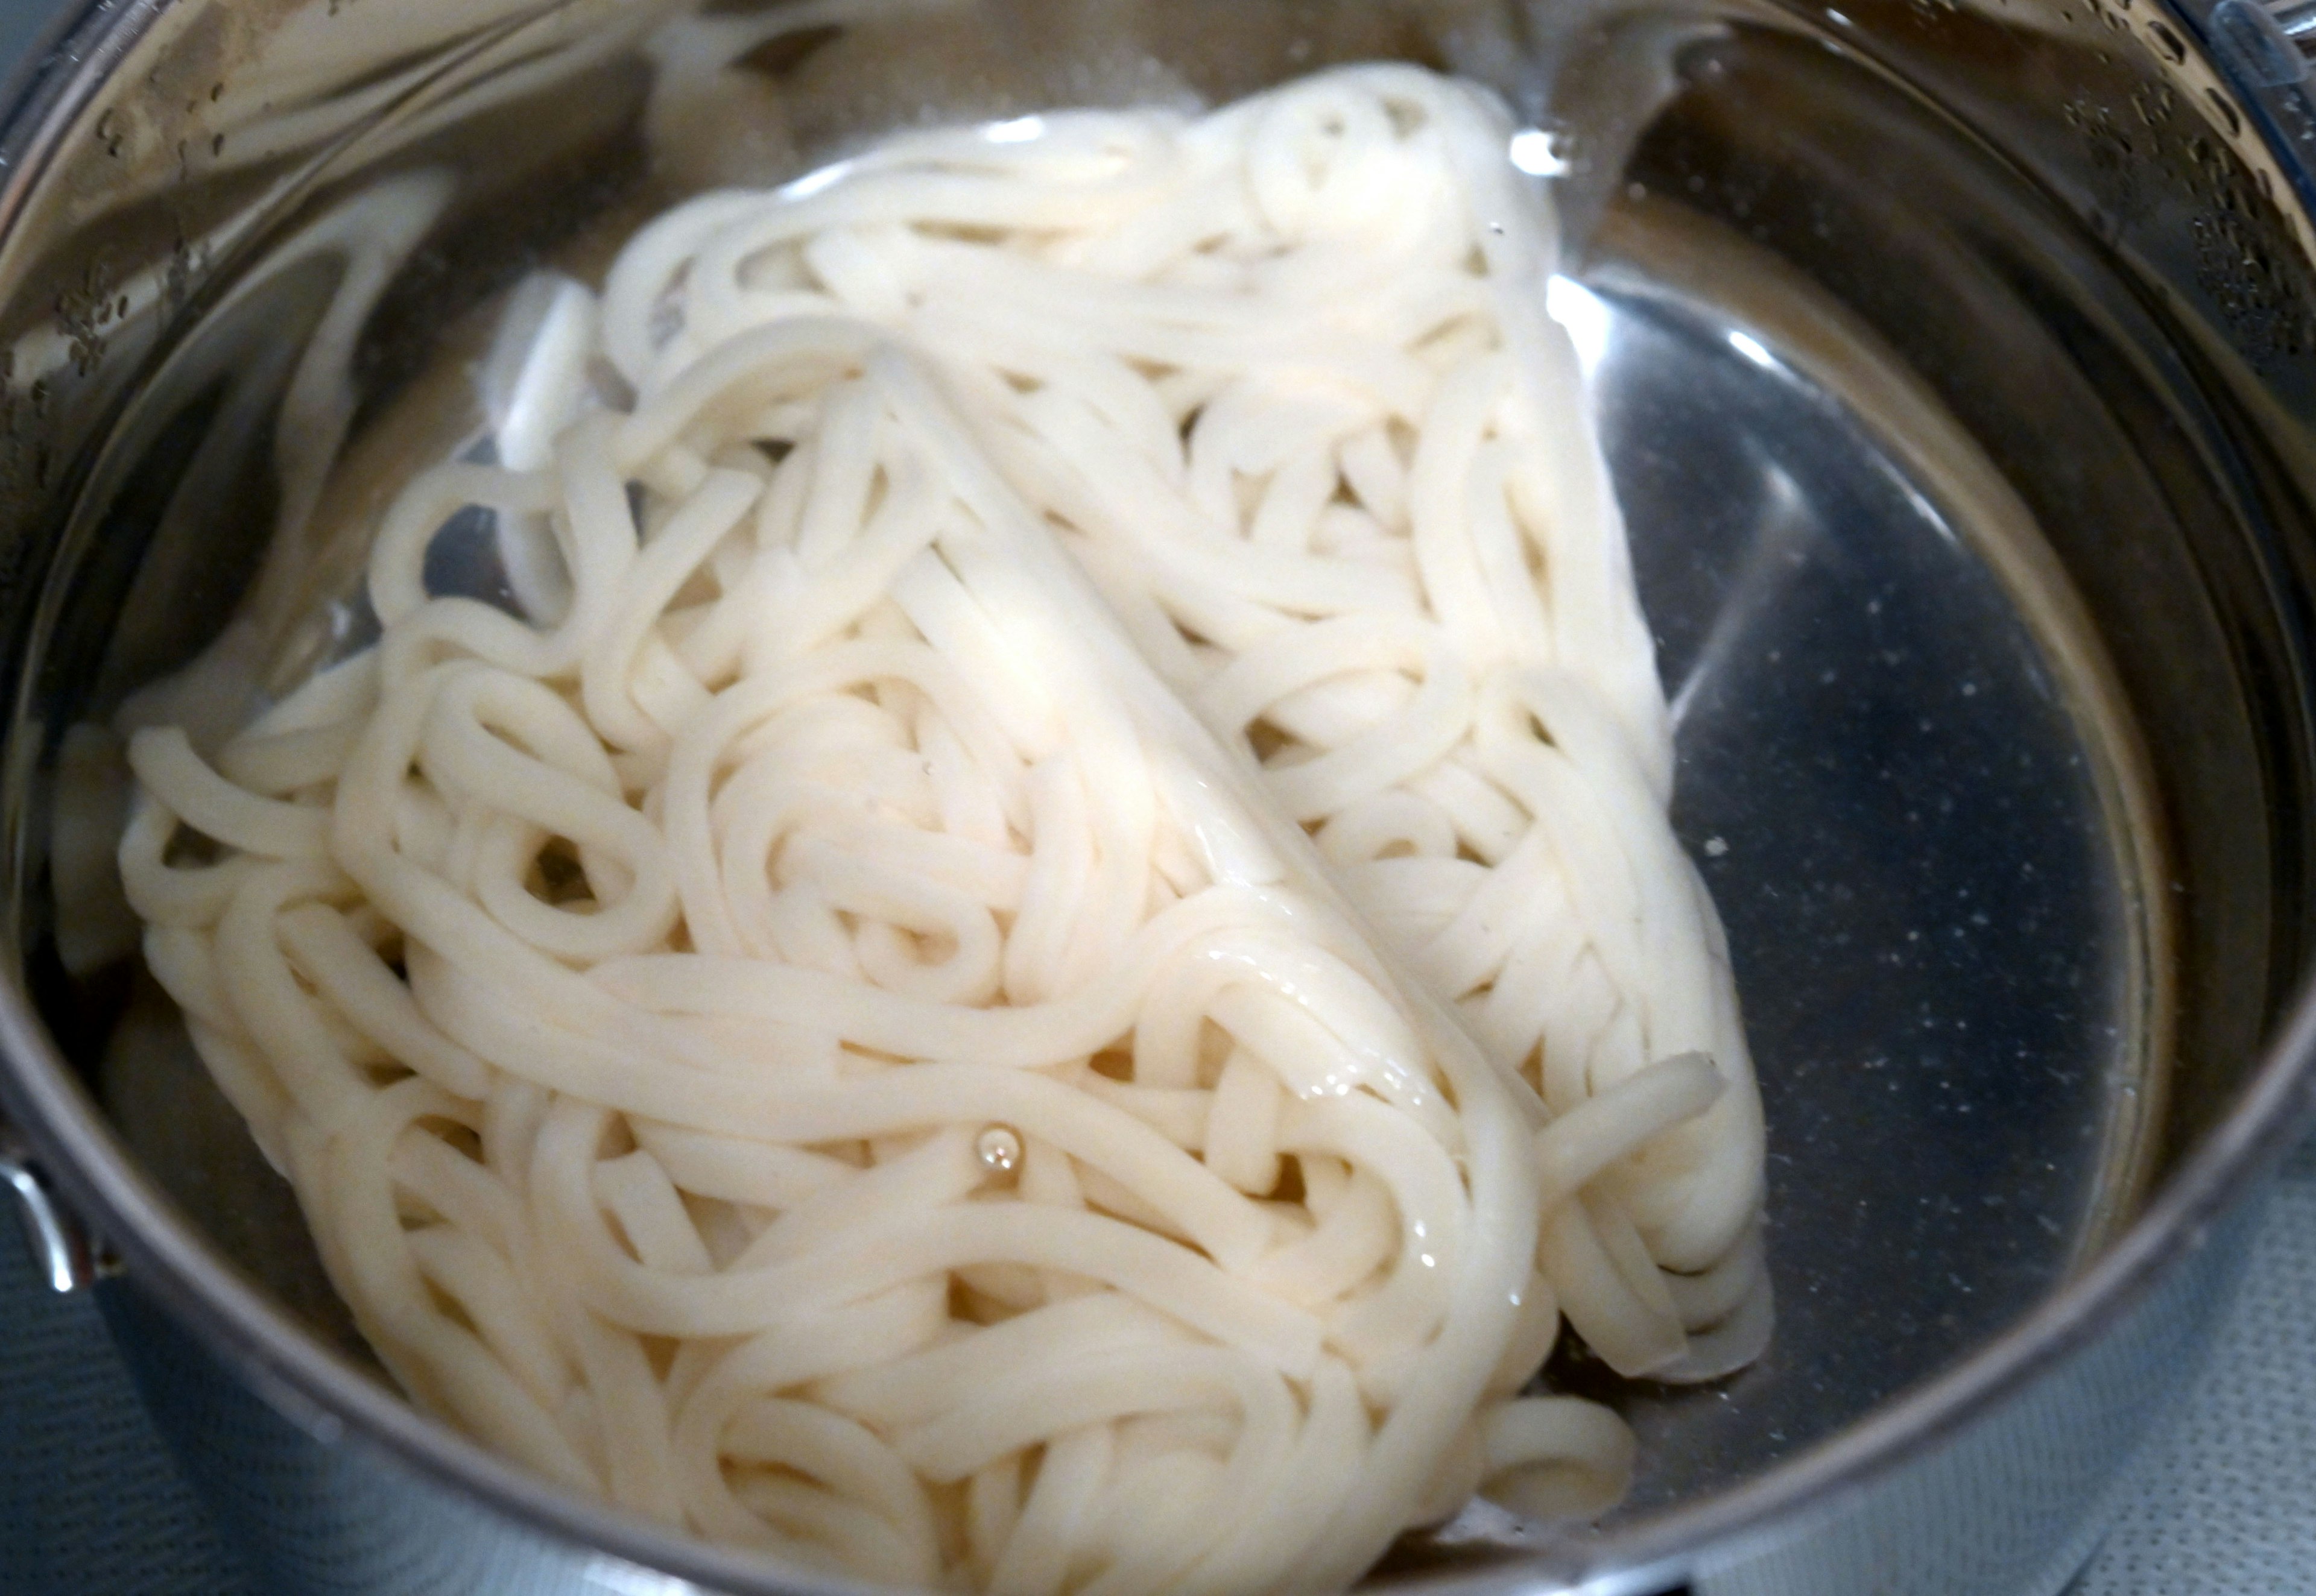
(1969, 499)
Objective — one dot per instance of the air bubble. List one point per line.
(998, 1148)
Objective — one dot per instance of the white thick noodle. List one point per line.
(821, 1033)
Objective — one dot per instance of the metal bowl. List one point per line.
(1955, 365)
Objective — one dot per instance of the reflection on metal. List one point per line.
(613, 1576)
(2295, 17)
(60, 1250)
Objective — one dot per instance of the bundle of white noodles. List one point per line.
(804, 1032)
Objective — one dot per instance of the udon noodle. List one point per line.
(1042, 948)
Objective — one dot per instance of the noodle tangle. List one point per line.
(1049, 949)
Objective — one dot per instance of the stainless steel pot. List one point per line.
(1957, 364)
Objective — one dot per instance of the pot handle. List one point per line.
(2263, 43)
(61, 1249)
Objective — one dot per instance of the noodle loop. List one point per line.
(1062, 951)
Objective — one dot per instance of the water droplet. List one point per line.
(998, 1148)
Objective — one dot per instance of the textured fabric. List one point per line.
(89, 1500)
(2226, 1504)
(21, 23)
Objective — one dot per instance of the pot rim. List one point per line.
(327, 1394)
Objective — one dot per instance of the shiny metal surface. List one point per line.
(1955, 365)
(60, 1249)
